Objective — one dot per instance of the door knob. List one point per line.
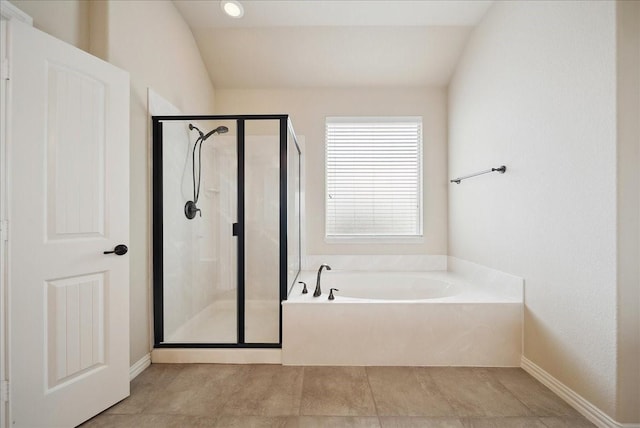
(119, 250)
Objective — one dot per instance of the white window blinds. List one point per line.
(373, 177)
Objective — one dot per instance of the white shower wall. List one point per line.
(177, 246)
(199, 254)
(262, 235)
(262, 221)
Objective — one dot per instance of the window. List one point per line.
(373, 177)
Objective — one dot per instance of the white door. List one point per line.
(68, 172)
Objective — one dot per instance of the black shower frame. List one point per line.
(157, 215)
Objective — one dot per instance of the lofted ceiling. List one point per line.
(332, 43)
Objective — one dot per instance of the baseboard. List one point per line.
(588, 410)
(139, 366)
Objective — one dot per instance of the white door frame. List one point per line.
(7, 12)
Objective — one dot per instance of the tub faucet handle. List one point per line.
(304, 287)
(331, 297)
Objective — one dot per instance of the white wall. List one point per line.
(536, 90)
(308, 109)
(153, 43)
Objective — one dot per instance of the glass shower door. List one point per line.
(200, 283)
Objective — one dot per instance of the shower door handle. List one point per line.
(235, 229)
(119, 250)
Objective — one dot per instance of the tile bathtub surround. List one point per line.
(374, 262)
(401, 333)
(245, 396)
(498, 282)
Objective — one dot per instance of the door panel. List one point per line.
(75, 327)
(68, 203)
(75, 153)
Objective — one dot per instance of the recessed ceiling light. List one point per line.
(232, 8)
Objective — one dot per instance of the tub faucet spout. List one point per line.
(318, 292)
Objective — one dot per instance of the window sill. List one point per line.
(374, 239)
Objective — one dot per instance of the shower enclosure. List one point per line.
(226, 229)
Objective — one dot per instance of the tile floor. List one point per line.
(208, 395)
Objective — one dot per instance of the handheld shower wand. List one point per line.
(218, 130)
(191, 208)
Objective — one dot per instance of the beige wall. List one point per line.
(308, 109)
(68, 20)
(536, 90)
(628, 39)
(153, 43)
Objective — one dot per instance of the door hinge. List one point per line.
(4, 230)
(4, 71)
(4, 391)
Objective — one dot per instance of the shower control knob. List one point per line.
(119, 250)
(190, 210)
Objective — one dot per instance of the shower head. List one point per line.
(218, 130)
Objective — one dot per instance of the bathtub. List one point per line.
(439, 318)
(385, 285)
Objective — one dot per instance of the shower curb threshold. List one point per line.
(217, 356)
